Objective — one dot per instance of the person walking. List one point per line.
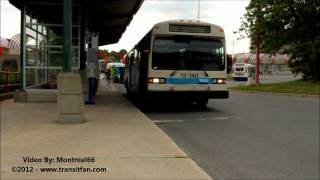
(108, 77)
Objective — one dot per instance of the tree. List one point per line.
(253, 28)
(123, 52)
(289, 26)
(106, 52)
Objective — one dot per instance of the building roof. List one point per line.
(14, 42)
(4, 42)
(108, 17)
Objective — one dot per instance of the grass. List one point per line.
(294, 87)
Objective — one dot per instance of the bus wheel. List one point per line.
(202, 102)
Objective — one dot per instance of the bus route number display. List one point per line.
(189, 75)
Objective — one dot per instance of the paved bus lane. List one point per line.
(248, 136)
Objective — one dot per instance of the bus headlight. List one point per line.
(219, 81)
(157, 80)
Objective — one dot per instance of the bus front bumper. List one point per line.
(221, 94)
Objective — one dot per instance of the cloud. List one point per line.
(9, 20)
(223, 13)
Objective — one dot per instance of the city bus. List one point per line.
(178, 59)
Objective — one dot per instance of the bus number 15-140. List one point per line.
(189, 75)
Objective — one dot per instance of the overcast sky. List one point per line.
(225, 13)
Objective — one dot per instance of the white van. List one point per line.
(240, 71)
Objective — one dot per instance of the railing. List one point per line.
(9, 81)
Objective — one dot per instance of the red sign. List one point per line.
(1, 51)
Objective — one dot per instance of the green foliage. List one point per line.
(115, 56)
(295, 87)
(106, 52)
(53, 39)
(288, 26)
(123, 52)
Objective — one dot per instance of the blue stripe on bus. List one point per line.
(174, 80)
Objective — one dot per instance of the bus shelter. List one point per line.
(44, 34)
(59, 39)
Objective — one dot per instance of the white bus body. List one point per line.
(240, 71)
(179, 59)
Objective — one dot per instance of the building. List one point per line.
(269, 63)
(42, 29)
(9, 54)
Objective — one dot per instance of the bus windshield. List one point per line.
(187, 53)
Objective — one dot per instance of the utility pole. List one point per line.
(233, 45)
(257, 59)
(198, 9)
(234, 32)
(258, 46)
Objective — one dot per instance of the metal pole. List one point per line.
(233, 45)
(257, 59)
(233, 55)
(22, 45)
(67, 35)
(198, 9)
(257, 24)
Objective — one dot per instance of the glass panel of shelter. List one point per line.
(44, 49)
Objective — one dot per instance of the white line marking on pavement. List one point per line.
(203, 119)
(218, 118)
(179, 120)
(168, 121)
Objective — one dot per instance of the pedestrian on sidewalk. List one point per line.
(108, 78)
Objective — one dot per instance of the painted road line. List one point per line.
(179, 120)
(218, 118)
(168, 121)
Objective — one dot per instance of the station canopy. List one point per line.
(108, 17)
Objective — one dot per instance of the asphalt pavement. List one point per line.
(248, 136)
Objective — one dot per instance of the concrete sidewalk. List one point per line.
(116, 134)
